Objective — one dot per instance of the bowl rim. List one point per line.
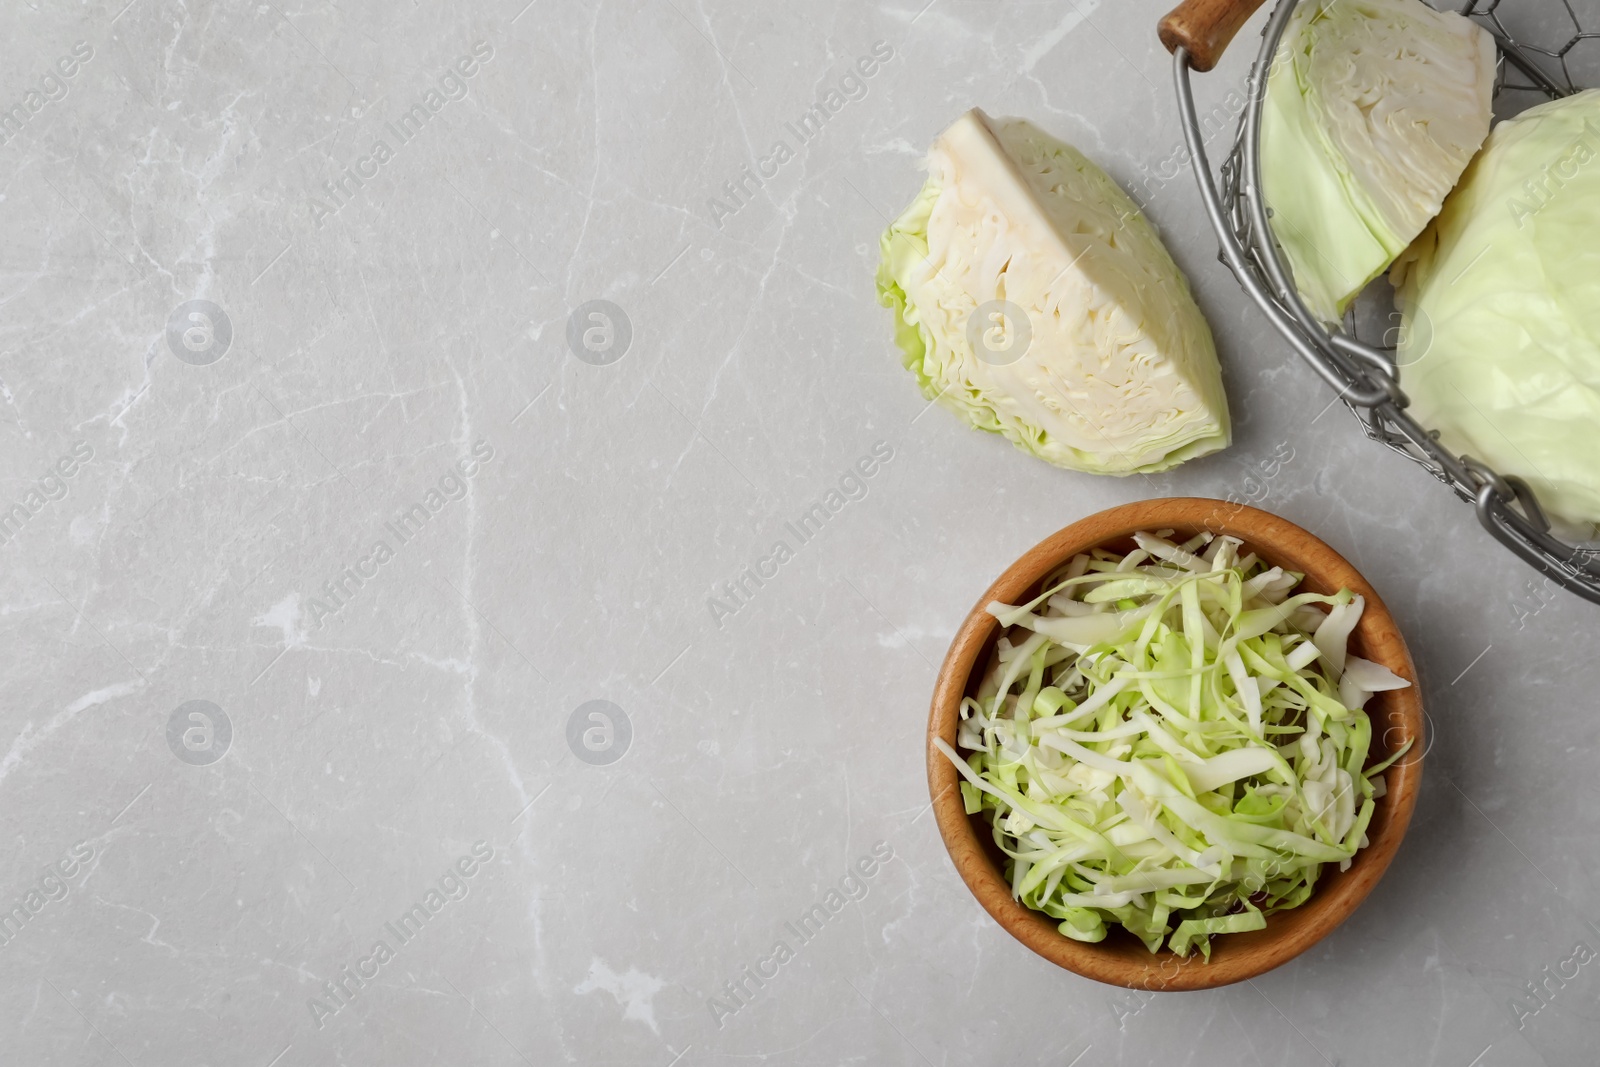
(1122, 960)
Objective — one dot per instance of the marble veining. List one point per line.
(473, 567)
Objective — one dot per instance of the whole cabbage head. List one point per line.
(1373, 109)
(1033, 299)
(1500, 303)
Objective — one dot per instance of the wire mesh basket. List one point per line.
(1539, 47)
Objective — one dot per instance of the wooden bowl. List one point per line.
(1121, 959)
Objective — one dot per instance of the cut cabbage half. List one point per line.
(1500, 302)
(1035, 301)
(1373, 109)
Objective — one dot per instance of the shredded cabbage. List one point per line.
(1372, 111)
(1172, 741)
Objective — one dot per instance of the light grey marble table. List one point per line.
(366, 506)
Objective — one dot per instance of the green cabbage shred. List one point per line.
(1172, 741)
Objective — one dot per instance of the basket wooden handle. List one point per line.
(1204, 28)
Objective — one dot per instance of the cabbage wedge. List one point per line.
(1373, 109)
(1035, 301)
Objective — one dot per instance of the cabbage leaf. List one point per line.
(1500, 303)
